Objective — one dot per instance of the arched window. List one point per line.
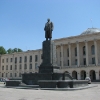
(92, 49)
(75, 51)
(84, 50)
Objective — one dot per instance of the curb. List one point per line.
(55, 89)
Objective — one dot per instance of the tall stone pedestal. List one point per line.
(48, 64)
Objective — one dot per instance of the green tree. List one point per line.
(19, 50)
(2, 50)
(14, 50)
(9, 51)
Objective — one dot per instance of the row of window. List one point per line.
(84, 61)
(84, 51)
(20, 66)
(11, 75)
(20, 59)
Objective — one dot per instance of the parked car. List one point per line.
(4, 79)
(89, 80)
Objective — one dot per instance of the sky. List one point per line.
(22, 21)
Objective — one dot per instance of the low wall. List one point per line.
(62, 83)
(12, 83)
(33, 78)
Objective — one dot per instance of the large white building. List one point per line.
(77, 55)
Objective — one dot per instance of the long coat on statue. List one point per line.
(48, 30)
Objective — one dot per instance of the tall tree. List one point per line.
(19, 50)
(2, 50)
(9, 51)
(14, 50)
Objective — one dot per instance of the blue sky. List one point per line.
(22, 21)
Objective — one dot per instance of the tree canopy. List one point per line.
(9, 51)
(2, 50)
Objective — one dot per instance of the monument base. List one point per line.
(62, 83)
(33, 78)
(49, 69)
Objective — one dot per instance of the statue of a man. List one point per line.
(48, 29)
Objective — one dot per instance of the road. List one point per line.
(27, 94)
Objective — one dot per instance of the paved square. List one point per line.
(30, 94)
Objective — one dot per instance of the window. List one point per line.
(92, 50)
(2, 60)
(36, 58)
(10, 74)
(15, 74)
(15, 67)
(75, 51)
(10, 67)
(68, 62)
(93, 60)
(68, 52)
(25, 66)
(36, 66)
(6, 67)
(84, 50)
(15, 59)
(20, 66)
(6, 59)
(30, 66)
(75, 61)
(84, 61)
(10, 59)
(20, 60)
(2, 67)
(30, 58)
(25, 59)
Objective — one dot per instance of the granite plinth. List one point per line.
(48, 69)
(72, 83)
(47, 83)
(62, 83)
(48, 64)
(33, 78)
(12, 83)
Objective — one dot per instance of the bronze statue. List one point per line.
(48, 29)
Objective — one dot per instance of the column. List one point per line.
(62, 55)
(69, 46)
(87, 58)
(39, 58)
(96, 52)
(78, 57)
(22, 65)
(13, 66)
(87, 74)
(78, 75)
(97, 75)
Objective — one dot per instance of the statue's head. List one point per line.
(48, 19)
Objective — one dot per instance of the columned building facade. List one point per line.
(77, 55)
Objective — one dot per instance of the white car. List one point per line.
(89, 80)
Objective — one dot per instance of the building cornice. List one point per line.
(76, 37)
